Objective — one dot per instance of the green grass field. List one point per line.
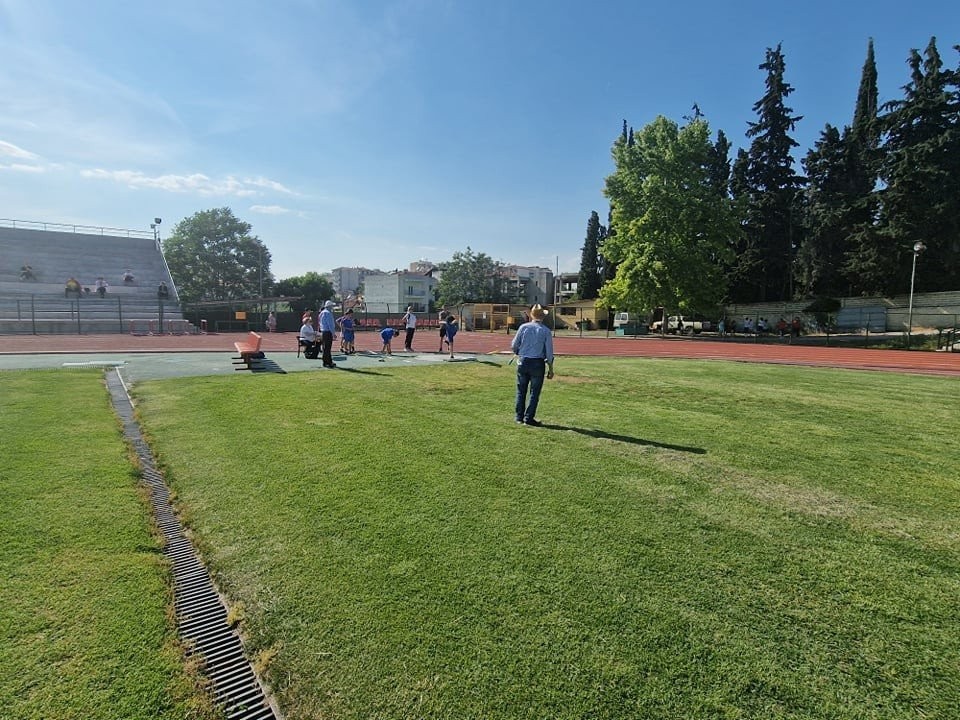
(684, 540)
(84, 597)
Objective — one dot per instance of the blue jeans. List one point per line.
(530, 374)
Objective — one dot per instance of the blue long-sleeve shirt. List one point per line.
(533, 340)
(327, 323)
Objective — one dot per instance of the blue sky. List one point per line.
(379, 132)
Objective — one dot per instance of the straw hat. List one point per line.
(538, 312)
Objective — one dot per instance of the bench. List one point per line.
(249, 350)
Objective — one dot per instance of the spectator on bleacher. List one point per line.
(163, 292)
(72, 286)
(271, 322)
(796, 326)
(128, 277)
(781, 327)
(101, 286)
(748, 326)
(26, 273)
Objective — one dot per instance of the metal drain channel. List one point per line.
(200, 613)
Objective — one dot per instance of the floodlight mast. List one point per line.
(918, 247)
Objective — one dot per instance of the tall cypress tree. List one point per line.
(770, 187)
(869, 263)
(589, 280)
(921, 170)
(608, 268)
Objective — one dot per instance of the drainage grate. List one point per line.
(201, 615)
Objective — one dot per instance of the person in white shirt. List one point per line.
(308, 339)
(410, 322)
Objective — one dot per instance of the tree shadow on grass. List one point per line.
(602, 435)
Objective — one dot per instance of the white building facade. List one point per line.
(394, 292)
(346, 280)
(528, 285)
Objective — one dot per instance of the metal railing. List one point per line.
(37, 315)
(81, 229)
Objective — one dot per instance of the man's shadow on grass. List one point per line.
(359, 371)
(602, 435)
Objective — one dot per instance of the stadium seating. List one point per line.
(39, 305)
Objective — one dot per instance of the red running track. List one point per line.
(771, 350)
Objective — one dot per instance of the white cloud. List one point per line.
(269, 209)
(11, 150)
(197, 183)
(20, 167)
(269, 185)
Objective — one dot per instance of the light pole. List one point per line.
(918, 247)
(155, 226)
(260, 265)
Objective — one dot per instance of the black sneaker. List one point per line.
(533, 423)
(519, 421)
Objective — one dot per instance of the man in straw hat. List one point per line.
(328, 329)
(533, 346)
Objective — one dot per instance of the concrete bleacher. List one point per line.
(40, 305)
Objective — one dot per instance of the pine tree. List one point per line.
(820, 257)
(589, 280)
(921, 170)
(720, 163)
(769, 187)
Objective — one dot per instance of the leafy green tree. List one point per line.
(471, 277)
(673, 227)
(309, 291)
(589, 280)
(768, 185)
(921, 171)
(213, 256)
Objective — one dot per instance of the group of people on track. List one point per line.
(314, 341)
(532, 345)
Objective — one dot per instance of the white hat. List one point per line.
(328, 304)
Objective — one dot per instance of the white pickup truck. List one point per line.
(679, 325)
